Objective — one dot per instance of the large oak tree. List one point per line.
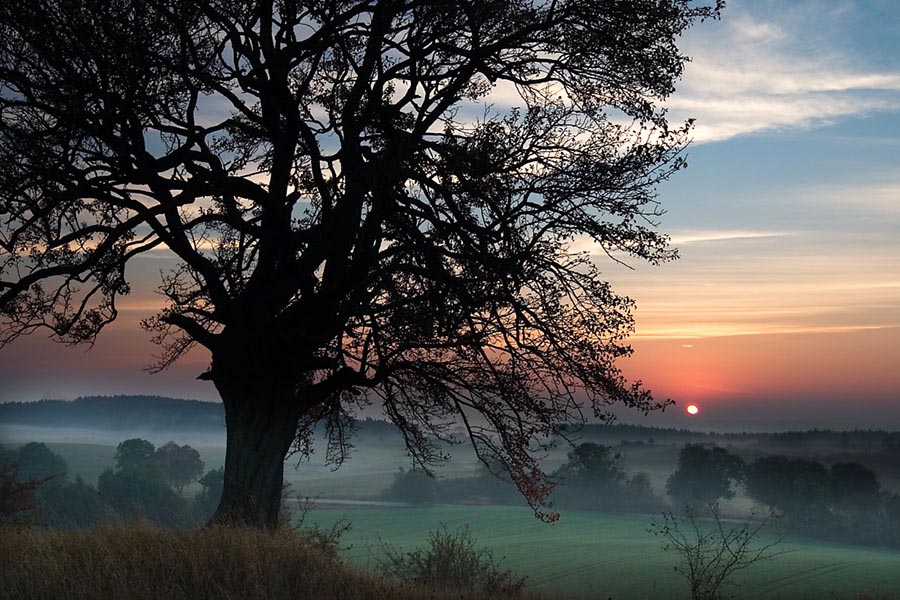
(378, 199)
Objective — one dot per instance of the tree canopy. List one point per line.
(178, 465)
(36, 461)
(367, 200)
(135, 453)
(593, 463)
(705, 475)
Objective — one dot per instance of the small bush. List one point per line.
(327, 539)
(452, 562)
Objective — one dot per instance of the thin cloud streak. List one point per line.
(694, 237)
(677, 238)
(702, 331)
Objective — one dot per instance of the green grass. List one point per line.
(589, 555)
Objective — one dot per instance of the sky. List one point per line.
(784, 308)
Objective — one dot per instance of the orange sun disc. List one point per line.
(692, 409)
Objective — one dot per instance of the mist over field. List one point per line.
(600, 545)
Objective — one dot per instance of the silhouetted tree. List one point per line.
(798, 487)
(140, 493)
(704, 475)
(590, 463)
(18, 502)
(854, 482)
(178, 465)
(639, 495)
(74, 505)
(593, 478)
(134, 454)
(36, 461)
(353, 213)
(412, 485)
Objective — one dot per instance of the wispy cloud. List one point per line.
(751, 74)
(879, 196)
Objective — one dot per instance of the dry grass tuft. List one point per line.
(139, 561)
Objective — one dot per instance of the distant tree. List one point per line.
(37, 462)
(640, 495)
(7, 456)
(18, 501)
(593, 478)
(854, 482)
(415, 486)
(594, 465)
(178, 465)
(134, 454)
(857, 506)
(343, 225)
(640, 483)
(704, 475)
(488, 483)
(800, 488)
(491, 469)
(74, 505)
(205, 503)
(140, 493)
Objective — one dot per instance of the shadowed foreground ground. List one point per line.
(142, 562)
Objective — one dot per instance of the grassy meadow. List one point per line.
(592, 555)
(140, 562)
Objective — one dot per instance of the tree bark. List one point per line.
(261, 419)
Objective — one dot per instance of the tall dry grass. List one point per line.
(138, 561)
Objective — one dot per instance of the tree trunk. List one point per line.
(261, 420)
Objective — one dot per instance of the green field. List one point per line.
(589, 555)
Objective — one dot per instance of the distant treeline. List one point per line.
(117, 413)
(617, 432)
(143, 413)
(139, 413)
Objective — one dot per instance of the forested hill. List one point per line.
(115, 413)
(137, 414)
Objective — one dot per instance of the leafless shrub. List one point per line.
(711, 550)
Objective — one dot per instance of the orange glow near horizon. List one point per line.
(851, 365)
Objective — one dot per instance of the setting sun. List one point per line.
(692, 409)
